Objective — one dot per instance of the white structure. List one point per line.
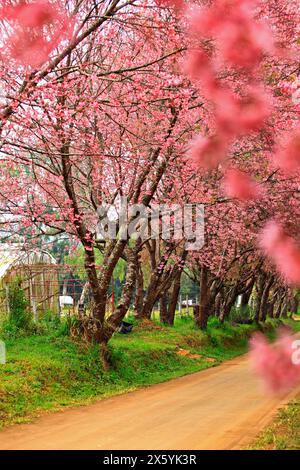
(189, 302)
(66, 301)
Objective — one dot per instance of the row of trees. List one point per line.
(111, 113)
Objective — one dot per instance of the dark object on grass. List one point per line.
(125, 328)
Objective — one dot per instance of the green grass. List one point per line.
(50, 372)
(284, 434)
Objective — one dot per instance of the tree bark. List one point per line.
(271, 305)
(217, 307)
(259, 293)
(246, 295)
(176, 290)
(115, 319)
(279, 304)
(174, 300)
(139, 296)
(229, 302)
(163, 312)
(202, 314)
(264, 300)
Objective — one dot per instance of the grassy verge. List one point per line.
(284, 433)
(50, 372)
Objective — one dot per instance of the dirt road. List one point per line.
(220, 408)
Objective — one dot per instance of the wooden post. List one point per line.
(31, 300)
(44, 301)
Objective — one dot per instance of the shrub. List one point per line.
(19, 315)
(49, 322)
(19, 320)
(241, 314)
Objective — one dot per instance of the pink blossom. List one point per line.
(31, 15)
(288, 87)
(255, 109)
(238, 184)
(203, 21)
(37, 29)
(207, 152)
(282, 250)
(30, 51)
(243, 45)
(177, 4)
(288, 156)
(196, 64)
(273, 363)
(209, 21)
(241, 116)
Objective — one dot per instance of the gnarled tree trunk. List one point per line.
(139, 295)
(202, 313)
(114, 320)
(264, 299)
(260, 285)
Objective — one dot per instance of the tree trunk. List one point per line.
(277, 313)
(139, 296)
(163, 312)
(284, 310)
(259, 294)
(114, 320)
(228, 303)
(218, 305)
(202, 314)
(246, 296)
(175, 292)
(271, 305)
(105, 355)
(264, 300)
(149, 302)
(294, 305)
(83, 296)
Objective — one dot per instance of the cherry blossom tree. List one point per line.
(96, 127)
(161, 101)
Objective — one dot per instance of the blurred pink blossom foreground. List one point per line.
(282, 250)
(36, 29)
(275, 363)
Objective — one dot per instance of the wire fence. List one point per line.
(63, 289)
(59, 289)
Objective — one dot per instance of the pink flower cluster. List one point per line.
(273, 363)
(287, 156)
(227, 36)
(238, 184)
(177, 4)
(36, 29)
(240, 42)
(282, 250)
(207, 152)
(241, 39)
